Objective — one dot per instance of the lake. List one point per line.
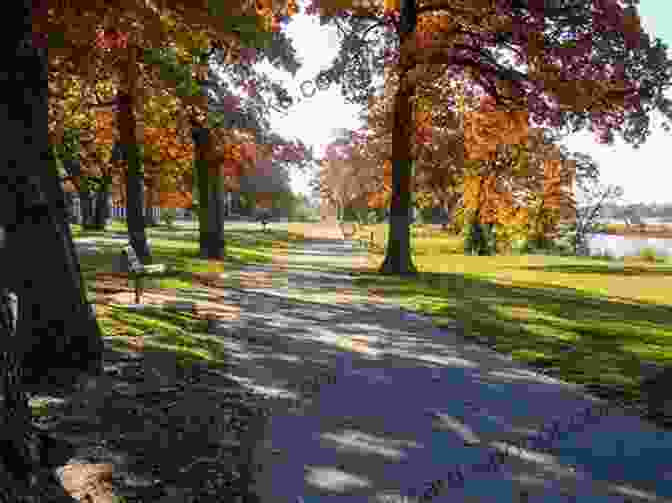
(619, 246)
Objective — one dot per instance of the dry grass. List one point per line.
(642, 231)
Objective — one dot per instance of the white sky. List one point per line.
(643, 173)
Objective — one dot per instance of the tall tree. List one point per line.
(586, 62)
(56, 325)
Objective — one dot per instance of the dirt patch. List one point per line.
(152, 427)
(158, 428)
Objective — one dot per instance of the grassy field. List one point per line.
(641, 231)
(587, 320)
(181, 332)
(593, 321)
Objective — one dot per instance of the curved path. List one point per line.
(369, 402)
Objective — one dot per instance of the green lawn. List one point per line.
(593, 320)
(180, 332)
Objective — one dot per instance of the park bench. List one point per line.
(264, 218)
(137, 271)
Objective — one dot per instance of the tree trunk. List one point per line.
(398, 258)
(73, 217)
(447, 214)
(56, 326)
(75, 337)
(135, 177)
(211, 198)
(102, 208)
(150, 219)
(23, 449)
(86, 208)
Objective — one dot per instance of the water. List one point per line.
(619, 246)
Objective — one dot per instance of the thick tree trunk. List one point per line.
(25, 459)
(447, 216)
(102, 207)
(216, 218)
(71, 340)
(73, 216)
(150, 219)
(398, 258)
(135, 178)
(211, 198)
(56, 326)
(86, 209)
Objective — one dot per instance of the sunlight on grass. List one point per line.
(594, 320)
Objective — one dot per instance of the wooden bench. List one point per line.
(137, 270)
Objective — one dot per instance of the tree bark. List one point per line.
(150, 219)
(398, 260)
(86, 208)
(102, 207)
(211, 198)
(25, 473)
(56, 326)
(135, 177)
(216, 218)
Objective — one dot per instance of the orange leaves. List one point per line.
(485, 130)
(163, 144)
(379, 199)
(174, 200)
(423, 122)
(552, 184)
(105, 126)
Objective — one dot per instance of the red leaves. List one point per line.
(111, 39)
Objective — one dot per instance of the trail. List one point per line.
(366, 400)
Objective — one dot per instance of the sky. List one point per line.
(642, 173)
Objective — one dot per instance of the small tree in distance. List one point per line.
(591, 199)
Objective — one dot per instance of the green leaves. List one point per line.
(173, 71)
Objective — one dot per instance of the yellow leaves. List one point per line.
(472, 192)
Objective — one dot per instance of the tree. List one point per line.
(226, 115)
(56, 326)
(624, 74)
(347, 179)
(592, 198)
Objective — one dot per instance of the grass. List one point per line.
(180, 332)
(593, 320)
(178, 249)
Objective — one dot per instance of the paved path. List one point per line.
(367, 401)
